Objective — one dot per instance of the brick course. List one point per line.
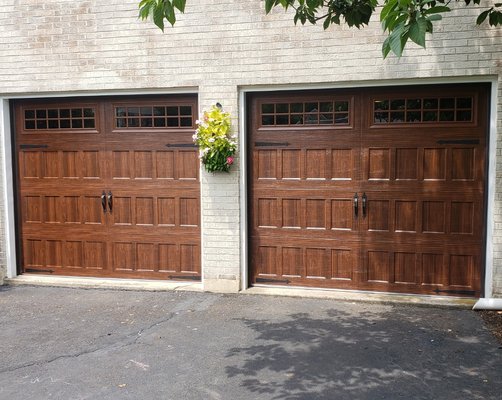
(50, 47)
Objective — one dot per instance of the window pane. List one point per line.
(159, 122)
(282, 120)
(296, 107)
(267, 120)
(447, 103)
(172, 122)
(64, 124)
(29, 124)
(146, 122)
(341, 106)
(53, 113)
(311, 107)
(159, 111)
(381, 105)
(282, 108)
(41, 113)
(76, 112)
(296, 119)
(89, 123)
(414, 104)
(381, 117)
(76, 123)
(173, 111)
(146, 111)
(186, 110)
(29, 114)
(447, 116)
(326, 106)
(133, 111)
(120, 112)
(133, 122)
(267, 108)
(413, 116)
(186, 121)
(430, 104)
(430, 116)
(464, 102)
(464, 116)
(397, 105)
(397, 117)
(341, 118)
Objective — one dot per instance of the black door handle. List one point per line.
(110, 201)
(356, 204)
(103, 201)
(365, 204)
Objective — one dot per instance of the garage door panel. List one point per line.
(105, 193)
(56, 256)
(401, 187)
(308, 164)
(304, 263)
(58, 167)
(301, 214)
(424, 268)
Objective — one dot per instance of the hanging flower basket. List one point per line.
(217, 146)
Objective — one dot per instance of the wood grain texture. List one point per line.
(153, 229)
(425, 181)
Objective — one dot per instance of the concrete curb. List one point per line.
(360, 296)
(104, 283)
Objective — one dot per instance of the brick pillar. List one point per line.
(220, 206)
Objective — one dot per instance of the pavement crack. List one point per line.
(127, 340)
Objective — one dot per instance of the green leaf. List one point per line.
(387, 9)
(158, 16)
(180, 5)
(269, 4)
(417, 31)
(397, 39)
(436, 10)
(386, 47)
(435, 17)
(481, 18)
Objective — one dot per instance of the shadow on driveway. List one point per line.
(411, 353)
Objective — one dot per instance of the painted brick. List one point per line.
(54, 46)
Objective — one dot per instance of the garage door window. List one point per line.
(307, 113)
(423, 110)
(59, 118)
(156, 116)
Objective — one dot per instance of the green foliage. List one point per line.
(217, 145)
(160, 10)
(403, 20)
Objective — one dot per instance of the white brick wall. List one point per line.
(49, 46)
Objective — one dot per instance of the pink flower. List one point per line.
(230, 160)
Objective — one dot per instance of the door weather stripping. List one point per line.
(42, 271)
(460, 292)
(186, 277)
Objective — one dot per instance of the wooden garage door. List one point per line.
(372, 189)
(109, 187)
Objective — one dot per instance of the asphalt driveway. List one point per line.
(58, 343)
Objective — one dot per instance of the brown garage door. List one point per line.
(109, 187)
(373, 189)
